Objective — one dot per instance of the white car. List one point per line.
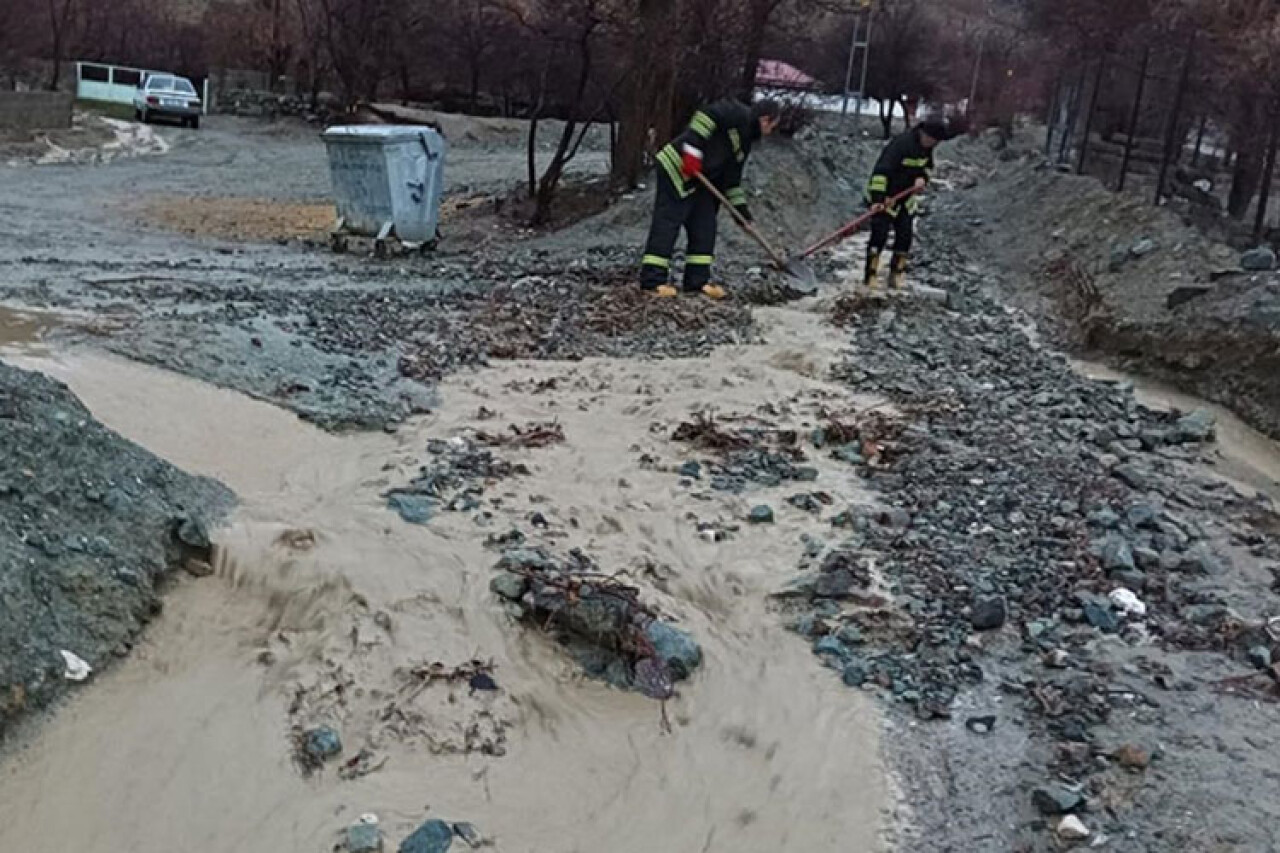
(167, 96)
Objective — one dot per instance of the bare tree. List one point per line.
(61, 20)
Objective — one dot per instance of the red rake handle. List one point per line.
(848, 228)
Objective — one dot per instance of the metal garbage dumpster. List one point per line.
(387, 181)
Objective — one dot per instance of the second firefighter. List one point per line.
(904, 164)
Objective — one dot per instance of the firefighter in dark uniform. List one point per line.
(715, 144)
(906, 162)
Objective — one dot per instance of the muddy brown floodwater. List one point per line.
(185, 744)
(1249, 459)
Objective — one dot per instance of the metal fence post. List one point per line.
(1171, 132)
(1088, 116)
(1133, 120)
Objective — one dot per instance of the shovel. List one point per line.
(801, 276)
(846, 230)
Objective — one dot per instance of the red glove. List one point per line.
(690, 161)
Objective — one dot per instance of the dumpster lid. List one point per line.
(378, 132)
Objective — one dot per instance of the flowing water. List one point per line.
(1249, 459)
(323, 602)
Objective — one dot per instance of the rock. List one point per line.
(1056, 798)
(194, 533)
(1101, 617)
(676, 648)
(1193, 428)
(692, 470)
(1183, 295)
(1134, 580)
(509, 585)
(806, 625)
(830, 646)
(1119, 257)
(469, 834)
(414, 509)
(896, 518)
(982, 725)
(1057, 659)
(1142, 515)
(1260, 656)
(761, 514)
(854, 674)
(364, 836)
(1143, 247)
(198, 568)
(1071, 828)
(1260, 259)
(434, 836)
(835, 584)
(850, 635)
(1146, 558)
(988, 613)
(1206, 615)
(1117, 556)
(1132, 757)
(482, 681)
(1129, 474)
(1104, 518)
(321, 743)
(1201, 560)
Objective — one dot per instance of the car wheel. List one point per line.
(195, 122)
(137, 114)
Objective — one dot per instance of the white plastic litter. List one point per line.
(369, 819)
(1127, 601)
(77, 669)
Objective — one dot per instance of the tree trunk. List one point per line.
(1268, 173)
(760, 13)
(648, 103)
(1244, 180)
(59, 18)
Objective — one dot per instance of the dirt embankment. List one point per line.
(1121, 278)
(90, 527)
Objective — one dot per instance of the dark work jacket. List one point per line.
(724, 131)
(901, 162)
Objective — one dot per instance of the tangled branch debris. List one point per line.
(609, 631)
(529, 435)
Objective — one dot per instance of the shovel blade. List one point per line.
(800, 276)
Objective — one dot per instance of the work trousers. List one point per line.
(696, 214)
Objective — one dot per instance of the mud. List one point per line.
(318, 585)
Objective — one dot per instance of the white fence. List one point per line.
(117, 84)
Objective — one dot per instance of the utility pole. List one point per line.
(977, 71)
(863, 11)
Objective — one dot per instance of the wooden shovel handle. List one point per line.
(742, 222)
(849, 227)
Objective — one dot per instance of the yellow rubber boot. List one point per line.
(898, 271)
(872, 276)
(714, 291)
(665, 291)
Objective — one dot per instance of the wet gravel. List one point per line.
(1017, 500)
(91, 526)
